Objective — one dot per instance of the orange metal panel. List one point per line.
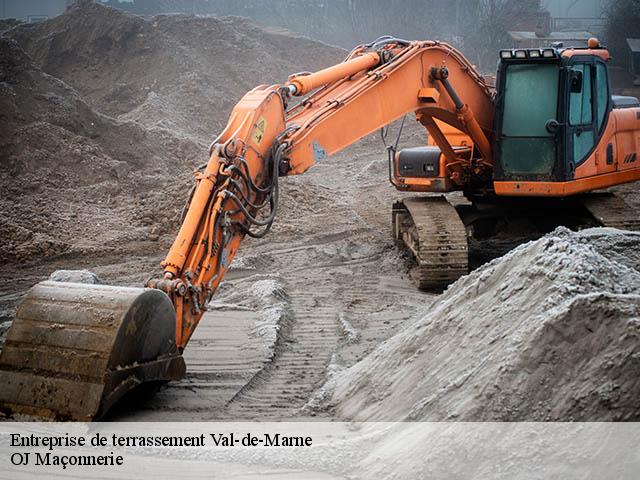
(564, 189)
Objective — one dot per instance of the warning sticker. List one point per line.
(258, 132)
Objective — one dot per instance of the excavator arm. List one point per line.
(237, 190)
(75, 349)
(402, 78)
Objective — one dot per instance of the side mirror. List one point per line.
(575, 81)
(552, 126)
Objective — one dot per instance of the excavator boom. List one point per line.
(236, 194)
(75, 349)
(263, 140)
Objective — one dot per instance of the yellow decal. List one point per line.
(258, 132)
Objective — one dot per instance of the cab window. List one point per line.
(602, 94)
(580, 112)
(530, 100)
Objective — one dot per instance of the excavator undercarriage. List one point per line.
(448, 237)
(436, 236)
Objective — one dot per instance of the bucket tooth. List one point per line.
(75, 349)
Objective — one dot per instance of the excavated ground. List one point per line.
(103, 116)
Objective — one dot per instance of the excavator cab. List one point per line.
(551, 112)
(554, 130)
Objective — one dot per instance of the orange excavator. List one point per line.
(533, 147)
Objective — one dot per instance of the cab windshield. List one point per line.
(530, 100)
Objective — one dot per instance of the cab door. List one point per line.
(525, 149)
(587, 109)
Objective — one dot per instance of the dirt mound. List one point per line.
(74, 180)
(176, 72)
(106, 114)
(548, 332)
(8, 23)
(40, 110)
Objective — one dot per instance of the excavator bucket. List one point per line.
(75, 349)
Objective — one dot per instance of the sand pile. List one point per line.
(551, 331)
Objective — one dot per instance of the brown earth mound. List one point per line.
(75, 181)
(106, 114)
(178, 72)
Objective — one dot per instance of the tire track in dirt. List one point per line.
(300, 365)
(222, 357)
(338, 264)
(344, 288)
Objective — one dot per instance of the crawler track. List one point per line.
(612, 211)
(432, 230)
